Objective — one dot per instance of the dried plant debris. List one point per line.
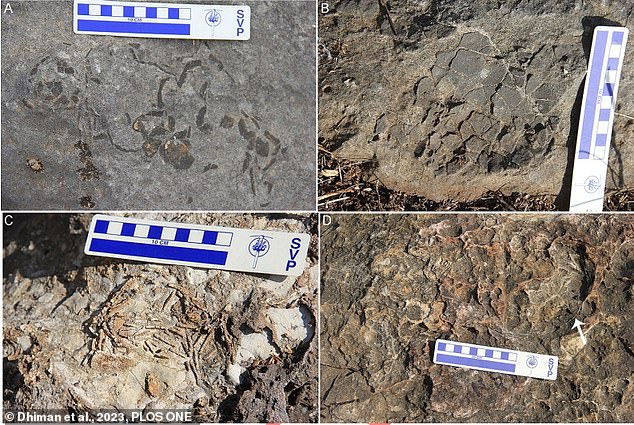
(454, 99)
(226, 346)
(352, 185)
(393, 284)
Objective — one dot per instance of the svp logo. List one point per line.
(240, 20)
(213, 19)
(293, 252)
(259, 247)
(551, 366)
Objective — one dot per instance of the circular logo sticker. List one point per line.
(531, 362)
(213, 18)
(592, 184)
(259, 247)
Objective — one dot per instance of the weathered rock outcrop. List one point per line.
(393, 284)
(84, 334)
(140, 123)
(456, 98)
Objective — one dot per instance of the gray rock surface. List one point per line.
(226, 346)
(455, 98)
(393, 284)
(137, 123)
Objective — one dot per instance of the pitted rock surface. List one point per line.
(453, 99)
(393, 284)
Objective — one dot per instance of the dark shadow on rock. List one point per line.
(562, 202)
(431, 344)
(12, 382)
(227, 408)
(309, 321)
(616, 173)
(589, 24)
(50, 244)
(54, 246)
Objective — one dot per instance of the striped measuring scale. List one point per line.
(248, 250)
(162, 20)
(492, 359)
(596, 119)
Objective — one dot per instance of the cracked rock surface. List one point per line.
(393, 284)
(140, 123)
(455, 98)
(226, 346)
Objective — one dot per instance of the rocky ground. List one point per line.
(450, 100)
(226, 346)
(393, 284)
(138, 123)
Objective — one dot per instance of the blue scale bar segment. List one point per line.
(599, 102)
(163, 252)
(82, 9)
(593, 82)
(166, 13)
(179, 234)
(477, 362)
(132, 27)
(465, 355)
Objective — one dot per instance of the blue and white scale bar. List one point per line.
(596, 119)
(162, 20)
(491, 359)
(247, 250)
(170, 14)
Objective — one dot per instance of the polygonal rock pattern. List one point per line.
(83, 334)
(393, 284)
(456, 98)
(142, 123)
